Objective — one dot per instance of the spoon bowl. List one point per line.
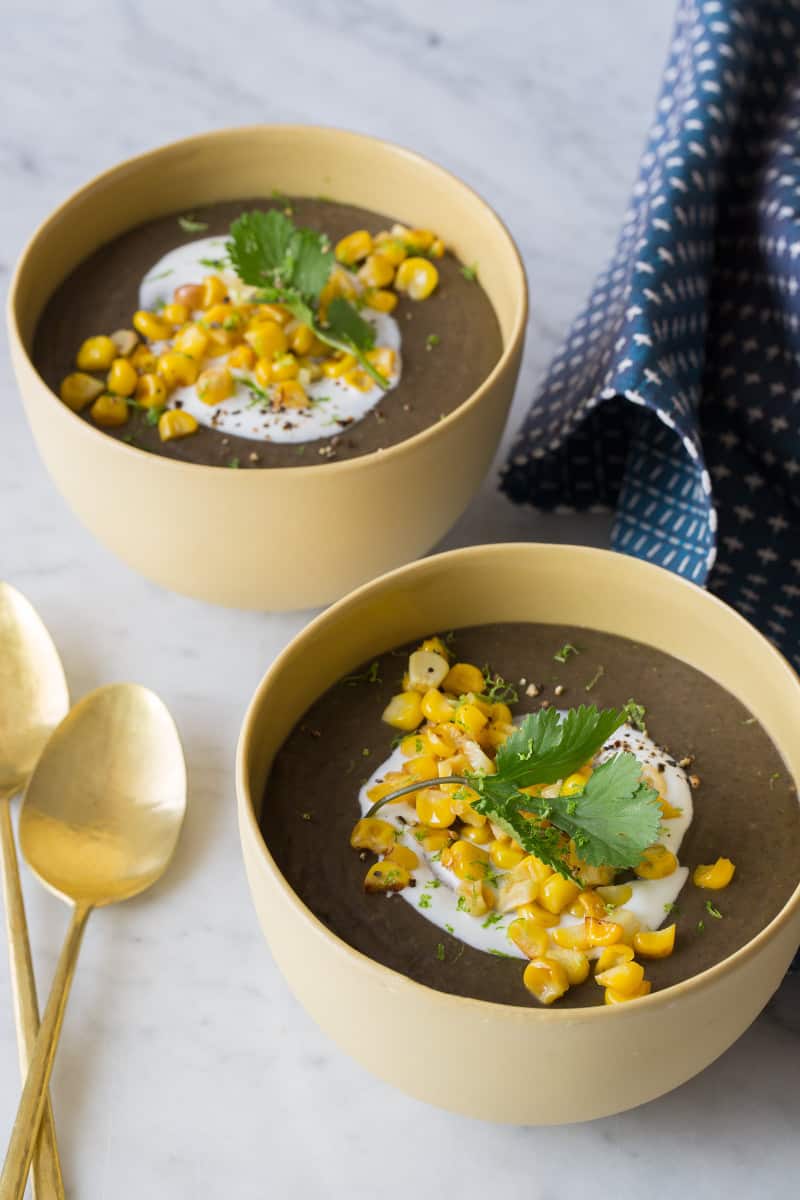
(33, 690)
(99, 823)
(104, 807)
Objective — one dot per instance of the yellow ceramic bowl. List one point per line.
(273, 538)
(521, 1064)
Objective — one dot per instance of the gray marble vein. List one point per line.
(186, 1068)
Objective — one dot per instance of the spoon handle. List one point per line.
(47, 1181)
(31, 1106)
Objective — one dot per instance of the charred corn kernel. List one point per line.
(514, 892)
(504, 855)
(626, 977)
(383, 359)
(588, 904)
(474, 897)
(426, 670)
(571, 937)
(271, 312)
(629, 922)
(176, 369)
(546, 980)
(437, 248)
(540, 870)
(262, 371)
(403, 856)
(302, 340)
(386, 877)
(470, 718)
(423, 766)
(530, 937)
(143, 359)
(190, 295)
(498, 733)
(354, 247)
(284, 366)
(419, 239)
(714, 876)
(462, 678)
(376, 272)
(417, 277)
(466, 860)
(436, 840)
(590, 876)
(267, 339)
(655, 943)
(122, 378)
(151, 391)
(390, 783)
(416, 743)
(242, 358)
(574, 962)
(214, 385)
(109, 411)
(380, 300)
(96, 354)
(556, 893)
(501, 713)
(371, 833)
(657, 863)
(573, 784)
(538, 914)
(613, 956)
(150, 326)
(613, 996)
(214, 291)
(404, 711)
(434, 809)
(359, 379)
(615, 895)
(436, 708)
(176, 423)
(440, 740)
(603, 933)
(78, 389)
(340, 364)
(125, 342)
(480, 834)
(176, 313)
(289, 393)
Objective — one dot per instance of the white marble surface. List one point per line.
(187, 1069)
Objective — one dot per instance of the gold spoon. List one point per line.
(33, 699)
(99, 823)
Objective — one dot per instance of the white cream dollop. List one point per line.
(435, 895)
(335, 405)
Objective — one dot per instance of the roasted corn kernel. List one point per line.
(380, 300)
(463, 678)
(556, 893)
(386, 877)
(613, 996)
(376, 272)
(176, 369)
(371, 833)
(122, 377)
(151, 391)
(214, 291)
(436, 708)
(417, 277)
(404, 711)
(176, 423)
(125, 342)
(546, 980)
(403, 856)
(109, 411)
(150, 326)
(530, 937)
(574, 962)
(714, 876)
(78, 389)
(96, 354)
(176, 313)
(434, 808)
(214, 385)
(657, 862)
(354, 247)
(626, 977)
(655, 943)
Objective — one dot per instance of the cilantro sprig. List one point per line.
(291, 266)
(610, 822)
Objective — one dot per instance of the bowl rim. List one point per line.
(248, 820)
(341, 467)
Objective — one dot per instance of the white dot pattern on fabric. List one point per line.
(681, 407)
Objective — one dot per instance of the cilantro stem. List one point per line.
(415, 787)
(350, 348)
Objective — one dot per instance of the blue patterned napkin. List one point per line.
(676, 397)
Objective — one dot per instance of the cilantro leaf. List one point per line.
(344, 322)
(312, 263)
(546, 748)
(616, 816)
(192, 225)
(260, 246)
